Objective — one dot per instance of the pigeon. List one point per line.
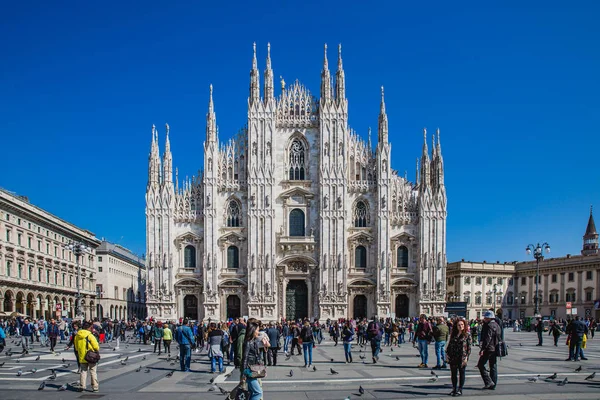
(63, 387)
(138, 369)
(551, 377)
(521, 344)
(18, 361)
(332, 360)
(42, 385)
(563, 382)
(143, 358)
(33, 370)
(223, 391)
(212, 388)
(314, 368)
(362, 357)
(37, 358)
(126, 358)
(2, 364)
(173, 363)
(433, 379)
(291, 373)
(391, 349)
(288, 356)
(212, 380)
(63, 360)
(361, 390)
(592, 376)
(534, 379)
(147, 370)
(140, 350)
(66, 365)
(578, 369)
(333, 371)
(123, 362)
(114, 349)
(52, 377)
(170, 374)
(228, 375)
(19, 373)
(397, 358)
(433, 372)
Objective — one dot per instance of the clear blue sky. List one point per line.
(513, 88)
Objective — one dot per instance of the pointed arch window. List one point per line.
(189, 257)
(360, 257)
(297, 161)
(233, 257)
(297, 222)
(361, 215)
(234, 215)
(402, 257)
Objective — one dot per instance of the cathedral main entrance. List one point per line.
(402, 303)
(234, 306)
(360, 306)
(190, 307)
(296, 300)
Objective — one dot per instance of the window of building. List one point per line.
(478, 280)
(402, 257)
(360, 215)
(39, 229)
(125, 294)
(523, 298)
(488, 300)
(47, 248)
(478, 299)
(55, 251)
(189, 257)
(554, 278)
(588, 296)
(56, 278)
(47, 276)
(510, 281)
(19, 236)
(234, 215)
(99, 269)
(39, 245)
(360, 257)
(99, 291)
(233, 257)
(29, 242)
(116, 292)
(571, 276)
(467, 280)
(297, 161)
(99, 258)
(30, 273)
(29, 225)
(19, 221)
(39, 274)
(524, 280)
(63, 279)
(8, 235)
(489, 280)
(8, 217)
(500, 281)
(297, 222)
(510, 299)
(588, 275)
(450, 281)
(467, 298)
(8, 268)
(20, 270)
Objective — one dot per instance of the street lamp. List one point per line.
(78, 248)
(537, 254)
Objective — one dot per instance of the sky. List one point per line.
(513, 88)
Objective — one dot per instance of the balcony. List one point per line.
(297, 244)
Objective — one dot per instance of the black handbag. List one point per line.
(91, 356)
(258, 371)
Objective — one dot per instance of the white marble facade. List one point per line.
(295, 216)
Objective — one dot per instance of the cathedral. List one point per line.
(295, 216)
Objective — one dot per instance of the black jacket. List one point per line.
(577, 329)
(251, 354)
(490, 336)
(274, 335)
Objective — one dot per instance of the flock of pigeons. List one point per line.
(562, 382)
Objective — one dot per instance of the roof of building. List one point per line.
(591, 226)
(120, 252)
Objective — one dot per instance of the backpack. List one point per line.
(501, 346)
(373, 330)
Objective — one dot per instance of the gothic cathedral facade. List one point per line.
(296, 216)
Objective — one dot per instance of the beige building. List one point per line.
(38, 275)
(567, 285)
(121, 283)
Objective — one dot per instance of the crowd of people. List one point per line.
(252, 345)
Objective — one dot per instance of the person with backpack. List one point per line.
(159, 332)
(490, 337)
(423, 336)
(308, 343)
(84, 341)
(185, 337)
(440, 335)
(374, 336)
(27, 332)
(215, 347)
(347, 338)
(295, 339)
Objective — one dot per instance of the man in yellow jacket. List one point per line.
(84, 341)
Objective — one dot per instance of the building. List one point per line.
(296, 216)
(38, 275)
(120, 283)
(567, 285)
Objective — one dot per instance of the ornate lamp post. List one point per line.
(78, 248)
(537, 254)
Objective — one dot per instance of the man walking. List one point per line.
(185, 338)
(274, 336)
(539, 328)
(27, 332)
(576, 329)
(84, 341)
(423, 335)
(440, 334)
(490, 336)
(374, 334)
(53, 332)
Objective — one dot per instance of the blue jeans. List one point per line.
(348, 351)
(185, 356)
(423, 350)
(387, 339)
(401, 338)
(375, 347)
(307, 348)
(286, 343)
(440, 353)
(213, 364)
(254, 388)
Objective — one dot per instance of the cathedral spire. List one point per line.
(439, 161)
(167, 160)
(268, 77)
(254, 82)
(425, 164)
(590, 239)
(383, 121)
(154, 160)
(340, 79)
(211, 119)
(325, 80)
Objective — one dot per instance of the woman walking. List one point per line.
(167, 338)
(251, 357)
(348, 337)
(215, 352)
(457, 353)
(308, 342)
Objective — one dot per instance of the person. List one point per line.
(167, 338)
(423, 335)
(225, 343)
(555, 331)
(592, 327)
(84, 341)
(374, 335)
(457, 353)
(2, 338)
(308, 342)
(490, 337)
(53, 332)
(274, 336)
(185, 338)
(27, 332)
(287, 335)
(158, 333)
(251, 356)
(576, 329)
(539, 328)
(347, 338)
(41, 331)
(440, 335)
(295, 339)
(239, 343)
(215, 349)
